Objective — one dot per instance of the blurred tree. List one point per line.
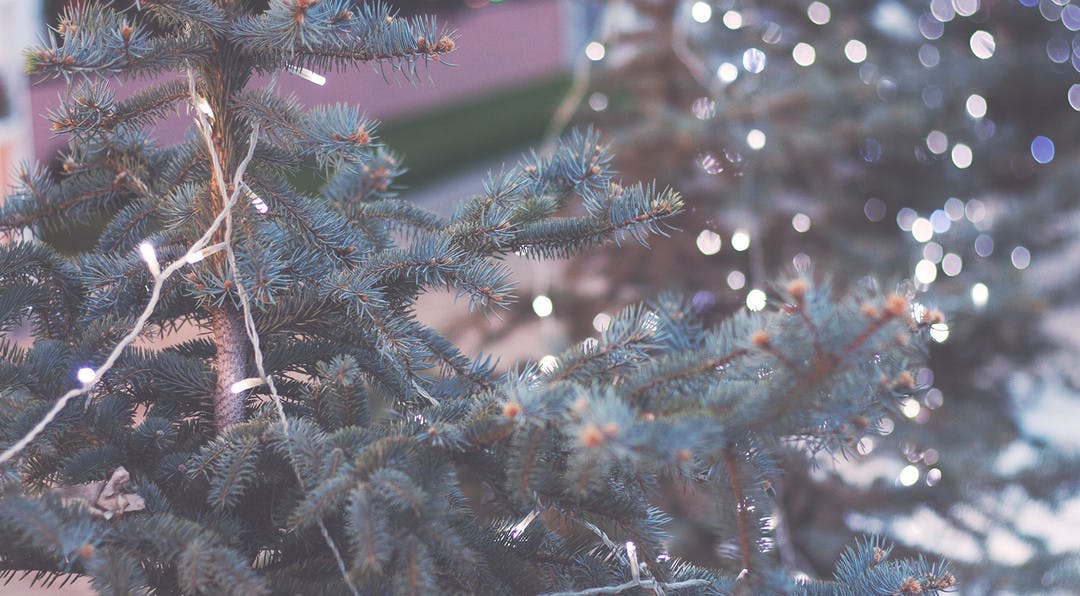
(314, 437)
(907, 138)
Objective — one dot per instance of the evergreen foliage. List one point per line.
(315, 437)
(822, 132)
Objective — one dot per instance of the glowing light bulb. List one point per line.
(922, 230)
(755, 139)
(801, 223)
(855, 51)
(520, 527)
(733, 19)
(740, 240)
(736, 280)
(727, 72)
(204, 106)
(709, 242)
(308, 75)
(195, 257)
(976, 105)
(756, 300)
(951, 264)
(245, 384)
(548, 363)
(256, 201)
(542, 306)
(631, 554)
(925, 272)
(961, 156)
(1020, 257)
(754, 60)
(595, 51)
(803, 54)
(86, 375)
(910, 408)
(909, 475)
(982, 44)
(150, 256)
(601, 321)
(819, 13)
(980, 295)
(701, 12)
(937, 142)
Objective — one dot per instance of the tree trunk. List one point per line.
(231, 364)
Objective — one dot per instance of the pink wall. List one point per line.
(498, 46)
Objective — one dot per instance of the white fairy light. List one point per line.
(701, 12)
(909, 475)
(803, 54)
(1020, 257)
(198, 255)
(754, 60)
(245, 384)
(855, 51)
(736, 280)
(256, 201)
(548, 363)
(542, 306)
(982, 44)
(952, 264)
(727, 72)
(86, 375)
(926, 272)
(709, 242)
(595, 51)
(910, 408)
(755, 139)
(733, 19)
(939, 332)
(800, 222)
(937, 142)
(520, 527)
(756, 300)
(601, 321)
(975, 105)
(631, 553)
(740, 240)
(980, 295)
(961, 156)
(150, 256)
(819, 13)
(204, 106)
(922, 230)
(306, 74)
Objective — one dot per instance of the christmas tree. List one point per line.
(915, 139)
(286, 425)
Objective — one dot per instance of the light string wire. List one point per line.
(245, 305)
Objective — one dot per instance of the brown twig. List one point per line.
(740, 513)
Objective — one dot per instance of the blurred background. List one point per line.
(929, 143)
